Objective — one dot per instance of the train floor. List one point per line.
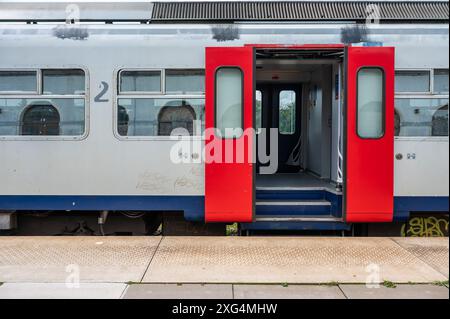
(223, 267)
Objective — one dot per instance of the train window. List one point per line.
(229, 102)
(441, 82)
(439, 126)
(18, 82)
(370, 103)
(160, 116)
(412, 81)
(37, 116)
(258, 109)
(287, 105)
(140, 81)
(185, 81)
(63, 82)
(422, 116)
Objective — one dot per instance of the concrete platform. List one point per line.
(87, 259)
(61, 291)
(173, 291)
(287, 292)
(299, 260)
(433, 251)
(222, 260)
(400, 292)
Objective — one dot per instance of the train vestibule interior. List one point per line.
(299, 92)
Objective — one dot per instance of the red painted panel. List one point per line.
(369, 169)
(229, 187)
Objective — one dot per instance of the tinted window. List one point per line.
(412, 81)
(63, 82)
(422, 117)
(160, 117)
(185, 81)
(18, 81)
(140, 81)
(441, 81)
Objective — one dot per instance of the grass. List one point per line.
(232, 230)
(389, 284)
(285, 285)
(132, 283)
(440, 283)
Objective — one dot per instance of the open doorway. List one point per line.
(298, 92)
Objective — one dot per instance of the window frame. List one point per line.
(162, 82)
(383, 114)
(116, 95)
(39, 96)
(217, 131)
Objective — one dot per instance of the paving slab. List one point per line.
(432, 250)
(83, 259)
(292, 260)
(174, 291)
(289, 292)
(61, 291)
(420, 291)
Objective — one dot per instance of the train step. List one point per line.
(296, 218)
(293, 207)
(263, 193)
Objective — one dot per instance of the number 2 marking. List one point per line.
(105, 88)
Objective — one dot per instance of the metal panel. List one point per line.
(369, 167)
(229, 182)
(301, 10)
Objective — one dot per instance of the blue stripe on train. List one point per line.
(193, 206)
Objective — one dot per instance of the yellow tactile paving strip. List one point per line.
(222, 259)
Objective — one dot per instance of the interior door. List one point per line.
(229, 145)
(369, 143)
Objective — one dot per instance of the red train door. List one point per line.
(369, 145)
(229, 145)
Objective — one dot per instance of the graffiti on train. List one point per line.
(426, 226)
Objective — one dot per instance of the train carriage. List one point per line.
(273, 115)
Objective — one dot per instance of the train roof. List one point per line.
(226, 11)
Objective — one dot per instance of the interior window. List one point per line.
(412, 81)
(258, 110)
(229, 102)
(40, 120)
(140, 81)
(18, 81)
(370, 103)
(177, 119)
(287, 106)
(185, 81)
(63, 82)
(441, 81)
